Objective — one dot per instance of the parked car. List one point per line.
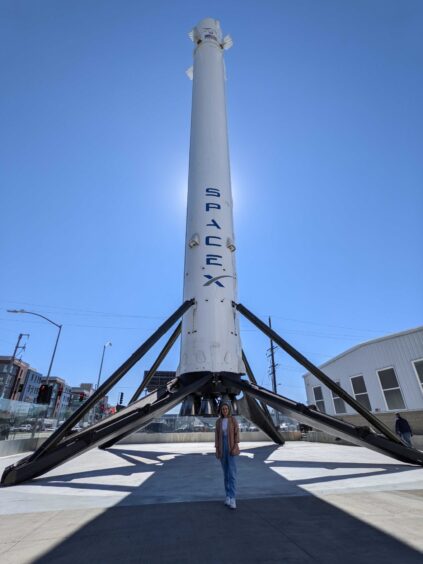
(182, 429)
(199, 428)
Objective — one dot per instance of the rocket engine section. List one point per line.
(210, 341)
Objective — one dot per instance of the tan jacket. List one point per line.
(233, 437)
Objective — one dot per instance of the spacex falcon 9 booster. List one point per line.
(212, 360)
(210, 341)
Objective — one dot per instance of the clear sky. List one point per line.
(325, 128)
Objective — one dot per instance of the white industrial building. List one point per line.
(385, 375)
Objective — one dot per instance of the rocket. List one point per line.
(210, 339)
(211, 359)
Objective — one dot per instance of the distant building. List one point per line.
(31, 386)
(385, 375)
(12, 377)
(79, 394)
(160, 378)
(60, 396)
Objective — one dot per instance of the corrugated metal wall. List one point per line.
(397, 352)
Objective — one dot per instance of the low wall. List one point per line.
(415, 418)
(15, 446)
(253, 436)
(321, 437)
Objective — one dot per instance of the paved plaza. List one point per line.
(300, 503)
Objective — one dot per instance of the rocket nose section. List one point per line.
(208, 22)
(207, 29)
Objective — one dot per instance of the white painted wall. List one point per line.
(396, 351)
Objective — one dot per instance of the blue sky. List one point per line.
(325, 129)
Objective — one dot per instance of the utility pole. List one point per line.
(273, 369)
(57, 339)
(272, 361)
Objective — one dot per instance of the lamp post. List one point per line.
(50, 321)
(108, 344)
(95, 410)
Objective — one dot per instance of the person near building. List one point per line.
(403, 430)
(226, 443)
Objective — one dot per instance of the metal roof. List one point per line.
(367, 343)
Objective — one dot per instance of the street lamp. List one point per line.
(108, 344)
(50, 321)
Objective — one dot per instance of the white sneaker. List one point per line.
(232, 503)
(227, 501)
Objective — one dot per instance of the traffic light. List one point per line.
(41, 394)
(121, 398)
(81, 397)
(44, 394)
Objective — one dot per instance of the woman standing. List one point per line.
(226, 443)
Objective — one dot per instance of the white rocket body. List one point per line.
(210, 340)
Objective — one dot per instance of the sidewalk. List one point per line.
(302, 503)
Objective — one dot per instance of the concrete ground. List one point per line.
(300, 503)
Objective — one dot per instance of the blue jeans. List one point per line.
(406, 437)
(229, 469)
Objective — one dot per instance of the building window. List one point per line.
(418, 367)
(338, 402)
(391, 390)
(318, 397)
(360, 391)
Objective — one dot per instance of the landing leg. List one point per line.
(124, 422)
(361, 436)
(372, 419)
(249, 408)
(146, 381)
(258, 412)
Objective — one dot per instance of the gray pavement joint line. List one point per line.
(29, 532)
(40, 523)
(11, 547)
(281, 531)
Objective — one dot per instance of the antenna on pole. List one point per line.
(273, 365)
(272, 370)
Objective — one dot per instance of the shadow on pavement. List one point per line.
(280, 523)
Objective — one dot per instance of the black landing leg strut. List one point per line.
(257, 411)
(64, 444)
(386, 443)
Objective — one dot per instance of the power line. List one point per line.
(78, 311)
(378, 331)
(82, 311)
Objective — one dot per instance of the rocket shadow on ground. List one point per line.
(276, 520)
(253, 467)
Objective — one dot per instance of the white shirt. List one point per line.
(225, 425)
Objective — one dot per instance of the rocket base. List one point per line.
(205, 389)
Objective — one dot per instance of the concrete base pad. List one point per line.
(303, 502)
